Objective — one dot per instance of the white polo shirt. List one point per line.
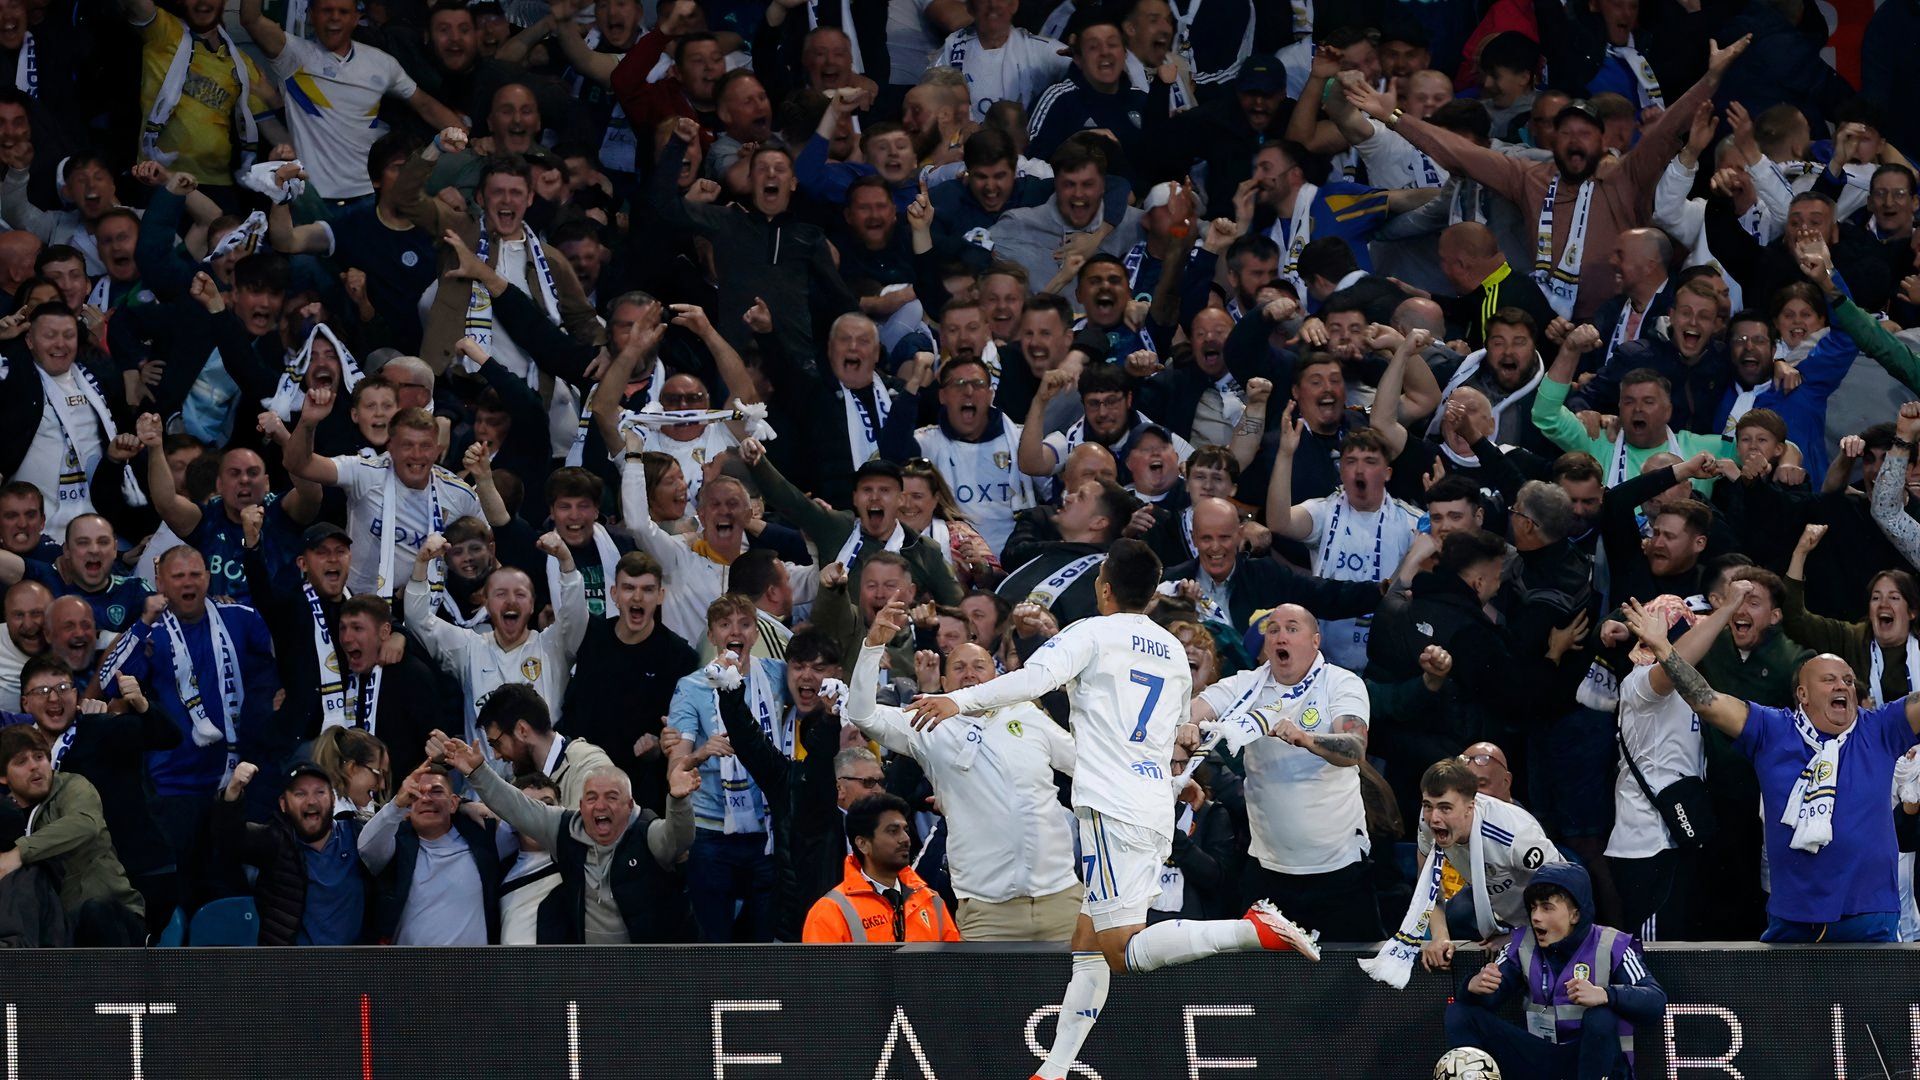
(333, 105)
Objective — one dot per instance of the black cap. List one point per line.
(880, 467)
(320, 532)
(1582, 108)
(301, 768)
(1260, 74)
(1408, 31)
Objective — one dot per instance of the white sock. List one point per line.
(1181, 941)
(1086, 996)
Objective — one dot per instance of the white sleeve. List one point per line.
(882, 723)
(570, 615)
(1529, 837)
(1771, 188)
(1348, 697)
(1057, 442)
(1670, 196)
(1221, 695)
(445, 642)
(1853, 193)
(399, 83)
(355, 477)
(652, 539)
(1317, 509)
(1053, 665)
(1060, 746)
(293, 56)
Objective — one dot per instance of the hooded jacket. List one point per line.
(1632, 992)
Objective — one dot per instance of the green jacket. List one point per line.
(1557, 423)
(1850, 641)
(835, 615)
(71, 828)
(1875, 341)
(829, 529)
(1765, 677)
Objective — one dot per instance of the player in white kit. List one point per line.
(1129, 695)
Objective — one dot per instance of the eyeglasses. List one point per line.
(677, 400)
(1482, 759)
(1750, 339)
(965, 384)
(50, 691)
(1895, 193)
(1523, 517)
(867, 782)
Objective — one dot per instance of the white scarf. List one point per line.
(1393, 964)
(26, 79)
(77, 465)
(64, 743)
(1561, 281)
(609, 558)
(1810, 805)
(1467, 369)
(1648, 83)
(736, 786)
(1743, 400)
(1300, 231)
(653, 416)
(1055, 585)
(1179, 99)
(1879, 669)
(942, 538)
(1323, 564)
(863, 431)
(856, 540)
(186, 682)
(248, 236)
(100, 297)
(385, 584)
(480, 301)
(290, 397)
(332, 666)
(263, 178)
(1617, 464)
(168, 99)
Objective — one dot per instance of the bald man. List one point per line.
(18, 249)
(1484, 282)
(1009, 845)
(1235, 588)
(1489, 765)
(1641, 260)
(1302, 723)
(26, 636)
(1035, 526)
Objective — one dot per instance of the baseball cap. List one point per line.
(1582, 108)
(1260, 74)
(304, 767)
(879, 467)
(320, 532)
(1158, 195)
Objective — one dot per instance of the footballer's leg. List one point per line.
(1122, 868)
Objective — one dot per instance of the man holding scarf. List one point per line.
(61, 412)
(732, 859)
(1581, 212)
(1303, 724)
(209, 668)
(198, 91)
(1826, 768)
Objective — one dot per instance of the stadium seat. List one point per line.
(175, 935)
(230, 921)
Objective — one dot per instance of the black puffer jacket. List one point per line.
(280, 890)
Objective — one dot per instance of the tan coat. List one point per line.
(446, 319)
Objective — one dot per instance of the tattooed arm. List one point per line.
(1344, 745)
(1728, 714)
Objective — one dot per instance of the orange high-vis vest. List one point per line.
(854, 912)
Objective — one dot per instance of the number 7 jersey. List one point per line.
(1129, 688)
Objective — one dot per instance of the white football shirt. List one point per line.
(1129, 693)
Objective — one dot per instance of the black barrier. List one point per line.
(869, 1013)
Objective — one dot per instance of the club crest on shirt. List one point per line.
(1014, 729)
(116, 613)
(530, 669)
(1310, 719)
(1582, 971)
(1002, 460)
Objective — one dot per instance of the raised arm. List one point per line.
(265, 32)
(1284, 518)
(1504, 174)
(1693, 645)
(1052, 666)
(1550, 412)
(1388, 405)
(298, 456)
(181, 514)
(1036, 458)
(1890, 489)
(597, 66)
(529, 816)
(1728, 714)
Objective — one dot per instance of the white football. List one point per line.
(1466, 1063)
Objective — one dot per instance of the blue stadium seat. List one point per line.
(230, 921)
(175, 935)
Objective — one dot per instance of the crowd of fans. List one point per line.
(451, 448)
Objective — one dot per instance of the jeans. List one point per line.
(1874, 926)
(1523, 1056)
(724, 870)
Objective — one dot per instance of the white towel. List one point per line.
(290, 397)
(609, 558)
(261, 178)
